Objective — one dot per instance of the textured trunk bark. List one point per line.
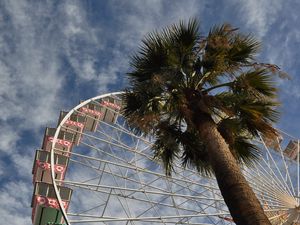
(243, 205)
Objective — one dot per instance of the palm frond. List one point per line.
(169, 50)
(256, 110)
(255, 116)
(257, 82)
(238, 138)
(194, 153)
(226, 51)
(151, 58)
(166, 147)
(141, 115)
(245, 152)
(243, 49)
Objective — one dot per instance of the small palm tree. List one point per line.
(204, 99)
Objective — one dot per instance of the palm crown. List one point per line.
(179, 75)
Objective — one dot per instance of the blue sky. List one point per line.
(55, 53)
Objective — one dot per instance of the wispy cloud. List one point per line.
(131, 21)
(258, 15)
(15, 198)
(82, 42)
(52, 51)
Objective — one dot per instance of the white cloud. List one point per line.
(29, 73)
(23, 164)
(75, 20)
(2, 170)
(133, 20)
(15, 200)
(78, 31)
(8, 139)
(259, 15)
(147, 16)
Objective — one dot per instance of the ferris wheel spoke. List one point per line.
(284, 196)
(185, 209)
(287, 171)
(143, 200)
(277, 216)
(153, 206)
(263, 186)
(205, 192)
(150, 219)
(125, 149)
(194, 193)
(271, 175)
(124, 206)
(142, 170)
(203, 207)
(153, 187)
(165, 193)
(113, 140)
(145, 155)
(129, 179)
(148, 201)
(276, 166)
(99, 150)
(108, 141)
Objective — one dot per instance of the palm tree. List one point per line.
(204, 99)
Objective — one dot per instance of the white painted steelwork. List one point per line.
(115, 179)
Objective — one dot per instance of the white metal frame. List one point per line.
(273, 185)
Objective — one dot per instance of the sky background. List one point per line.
(55, 53)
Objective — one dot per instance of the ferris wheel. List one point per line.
(92, 169)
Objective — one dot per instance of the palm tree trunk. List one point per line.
(243, 205)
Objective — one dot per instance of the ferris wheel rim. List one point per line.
(52, 171)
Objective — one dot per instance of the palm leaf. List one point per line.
(226, 51)
(194, 153)
(245, 152)
(257, 82)
(238, 138)
(166, 147)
